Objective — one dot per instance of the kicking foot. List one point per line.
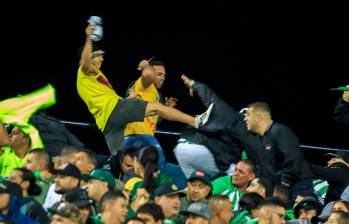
(201, 120)
(189, 83)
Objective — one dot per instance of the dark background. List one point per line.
(286, 55)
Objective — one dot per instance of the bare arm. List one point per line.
(86, 61)
(148, 73)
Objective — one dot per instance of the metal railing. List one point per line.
(171, 133)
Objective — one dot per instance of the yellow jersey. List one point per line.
(98, 95)
(148, 126)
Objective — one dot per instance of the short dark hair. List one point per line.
(269, 202)
(268, 186)
(43, 155)
(261, 106)
(152, 209)
(28, 175)
(250, 201)
(250, 163)
(91, 156)
(156, 62)
(282, 192)
(111, 196)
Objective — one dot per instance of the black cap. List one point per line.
(168, 189)
(69, 170)
(11, 188)
(78, 196)
(308, 203)
(200, 175)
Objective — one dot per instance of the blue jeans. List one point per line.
(302, 185)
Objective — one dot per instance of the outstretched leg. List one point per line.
(173, 114)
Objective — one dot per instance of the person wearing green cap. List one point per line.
(98, 183)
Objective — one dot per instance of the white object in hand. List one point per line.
(96, 21)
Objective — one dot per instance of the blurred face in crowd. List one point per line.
(307, 214)
(197, 190)
(126, 163)
(169, 204)
(57, 219)
(274, 214)
(333, 219)
(4, 201)
(16, 177)
(33, 163)
(160, 75)
(83, 162)
(339, 206)
(64, 183)
(96, 189)
(195, 219)
(148, 218)
(242, 175)
(17, 138)
(118, 208)
(254, 186)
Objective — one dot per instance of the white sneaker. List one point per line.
(202, 119)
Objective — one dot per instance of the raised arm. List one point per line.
(86, 60)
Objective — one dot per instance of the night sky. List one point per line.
(286, 55)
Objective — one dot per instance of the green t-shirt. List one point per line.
(224, 186)
(241, 218)
(96, 219)
(10, 161)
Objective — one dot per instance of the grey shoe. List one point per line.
(201, 120)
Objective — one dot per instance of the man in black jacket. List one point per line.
(213, 147)
(281, 149)
(273, 147)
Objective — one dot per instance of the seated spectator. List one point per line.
(113, 208)
(262, 186)
(16, 153)
(235, 186)
(10, 204)
(86, 161)
(39, 162)
(307, 209)
(151, 213)
(338, 217)
(272, 211)
(249, 204)
(198, 189)
(66, 212)
(79, 197)
(68, 177)
(198, 213)
(341, 206)
(99, 182)
(30, 207)
(221, 209)
(167, 196)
